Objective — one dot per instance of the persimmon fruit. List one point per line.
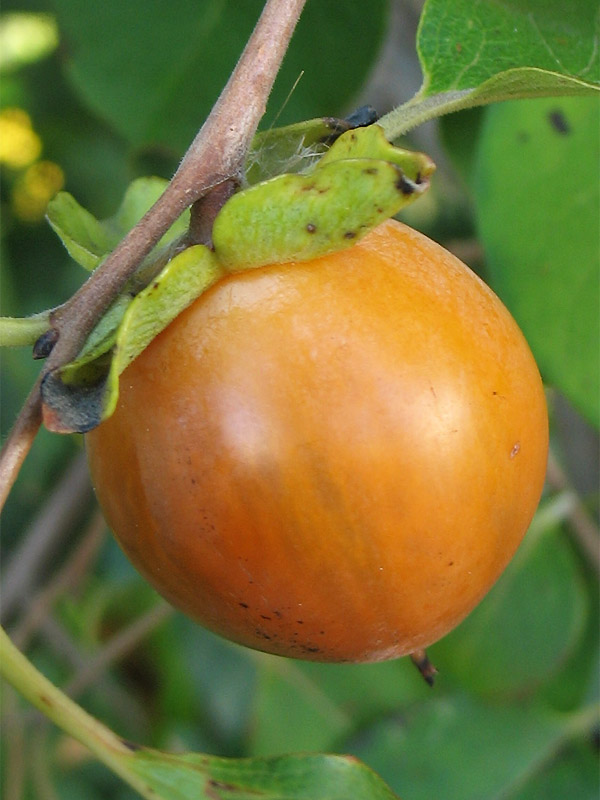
(331, 460)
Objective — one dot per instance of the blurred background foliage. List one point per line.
(94, 95)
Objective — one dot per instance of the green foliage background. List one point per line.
(512, 714)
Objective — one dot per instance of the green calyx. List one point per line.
(337, 193)
(359, 182)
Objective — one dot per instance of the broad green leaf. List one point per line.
(459, 748)
(526, 627)
(573, 773)
(361, 181)
(78, 396)
(537, 193)
(474, 53)
(88, 239)
(153, 71)
(327, 702)
(295, 777)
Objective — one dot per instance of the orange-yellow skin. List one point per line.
(332, 460)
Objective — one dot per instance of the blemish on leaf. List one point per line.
(350, 235)
(559, 122)
(311, 227)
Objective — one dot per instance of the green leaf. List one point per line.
(537, 193)
(296, 777)
(572, 774)
(88, 240)
(78, 396)
(327, 702)
(526, 627)
(154, 71)
(361, 181)
(496, 747)
(474, 53)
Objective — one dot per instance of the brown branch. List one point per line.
(19, 441)
(216, 155)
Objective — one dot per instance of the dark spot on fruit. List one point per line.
(300, 621)
(155, 285)
(308, 187)
(322, 633)
(404, 185)
(278, 614)
(522, 137)
(451, 563)
(244, 605)
(559, 122)
(371, 171)
(350, 235)
(310, 649)
(264, 616)
(311, 227)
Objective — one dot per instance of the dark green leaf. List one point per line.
(327, 702)
(537, 192)
(458, 748)
(573, 773)
(154, 69)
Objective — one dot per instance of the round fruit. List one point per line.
(331, 460)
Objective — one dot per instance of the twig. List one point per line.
(19, 441)
(119, 646)
(581, 523)
(77, 564)
(64, 506)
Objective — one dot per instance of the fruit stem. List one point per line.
(421, 661)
